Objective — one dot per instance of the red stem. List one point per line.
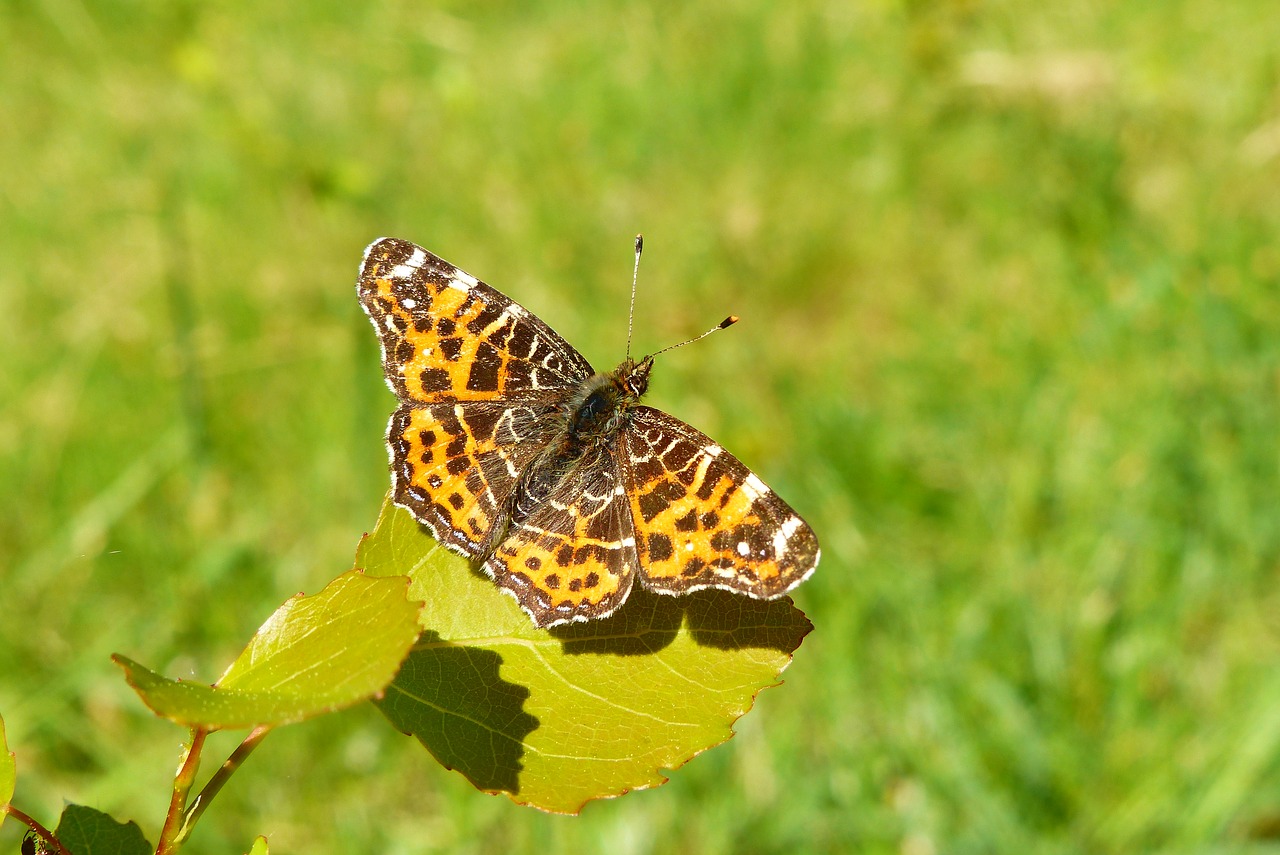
(45, 834)
(182, 783)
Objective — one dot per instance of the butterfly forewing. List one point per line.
(703, 519)
(448, 336)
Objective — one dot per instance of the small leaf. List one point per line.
(555, 718)
(85, 831)
(314, 655)
(259, 846)
(8, 773)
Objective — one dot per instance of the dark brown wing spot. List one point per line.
(552, 581)
(533, 562)
(484, 370)
(592, 580)
(651, 504)
(659, 547)
(456, 501)
(588, 553)
(487, 315)
(451, 347)
(708, 486)
(688, 522)
(435, 380)
(575, 585)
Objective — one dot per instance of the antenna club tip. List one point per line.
(728, 322)
(639, 242)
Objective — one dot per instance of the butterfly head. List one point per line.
(633, 376)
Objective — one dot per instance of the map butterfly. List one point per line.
(514, 452)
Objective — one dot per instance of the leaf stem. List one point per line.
(45, 834)
(219, 779)
(182, 783)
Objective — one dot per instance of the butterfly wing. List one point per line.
(703, 519)
(480, 380)
(454, 464)
(574, 557)
(448, 336)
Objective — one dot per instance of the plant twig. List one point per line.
(182, 783)
(220, 778)
(45, 834)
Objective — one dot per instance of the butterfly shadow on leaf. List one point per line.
(648, 622)
(451, 699)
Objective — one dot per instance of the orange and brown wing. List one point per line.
(703, 519)
(448, 336)
(574, 557)
(454, 465)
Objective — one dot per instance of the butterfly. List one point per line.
(566, 490)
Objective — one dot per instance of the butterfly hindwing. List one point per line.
(574, 557)
(454, 465)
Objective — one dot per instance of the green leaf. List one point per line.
(314, 655)
(555, 718)
(259, 846)
(8, 773)
(85, 831)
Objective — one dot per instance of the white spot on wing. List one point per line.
(408, 302)
(754, 487)
(713, 450)
(415, 260)
(743, 549)
(783, 534)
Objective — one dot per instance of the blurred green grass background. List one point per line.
(1011, 342)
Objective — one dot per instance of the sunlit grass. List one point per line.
(1011, 342)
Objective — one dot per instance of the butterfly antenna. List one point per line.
(635, 274)
(725, 324)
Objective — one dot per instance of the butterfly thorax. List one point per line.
(592, 418)
(598, 410)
